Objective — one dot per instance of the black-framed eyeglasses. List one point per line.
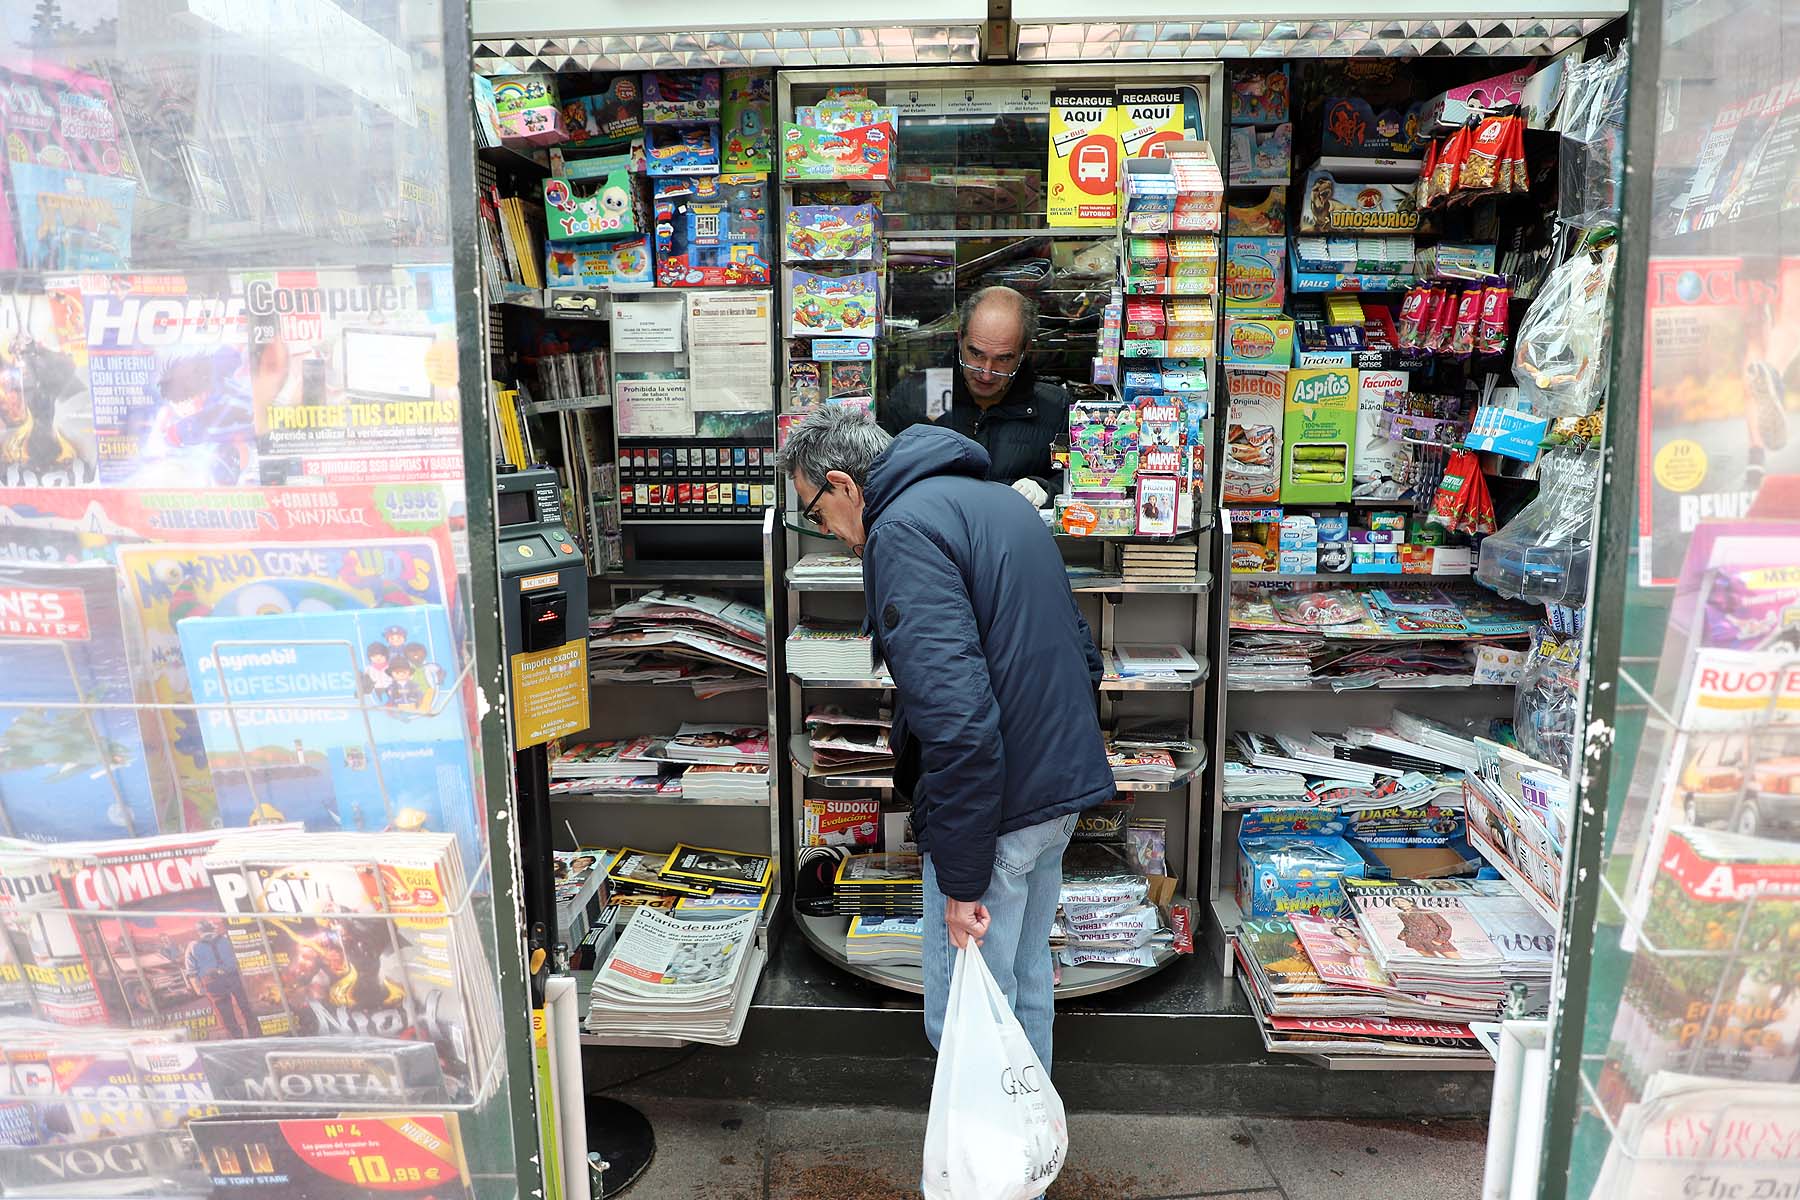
(810, 512)
(992, 372)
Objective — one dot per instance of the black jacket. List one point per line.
(994, 667)
(1016, 433)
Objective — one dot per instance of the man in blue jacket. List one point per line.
(996, 733)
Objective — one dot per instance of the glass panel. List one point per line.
(237, 589)
(1680, 1040)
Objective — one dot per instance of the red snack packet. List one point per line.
(1443, 321)
(1521, 176)
(1412, 314)
(1449, 165)
(1425, 195)
(1468, 316)
(1496, 307)
(1481, 168)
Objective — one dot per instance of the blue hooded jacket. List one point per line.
(994, 666)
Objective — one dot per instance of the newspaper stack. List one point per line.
(886, 941)
(1424, 739)
(722, 783)
(842, 741)
(1247, 785)
(1257, 661)
(726, 744)
(672, 977)
(880, 885)
(835, 567)
(711, 643)
(831, 650)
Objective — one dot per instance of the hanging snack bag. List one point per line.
(1461, 503)
(1468, 316)
(1443, 321)
(1423, 187)
(1481, 167)
(1521, 172)
(1412, 312)
(1496, 307)
(1448, 172)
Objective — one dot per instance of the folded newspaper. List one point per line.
(670, 977)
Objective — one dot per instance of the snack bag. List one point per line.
(1496, 306)
(1521, 174)
(1462, 503)
(1468, 316)
(1425, 194)
(1412, 313)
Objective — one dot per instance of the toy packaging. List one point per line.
(1259, 97)
(804, 384)
(828, 233)
(1261, 155)
(712, 231)
(681, 97)
(590, 265)
(848, 379)
(1456, 107)
(533, 126)
(1383, 465)
(1318, 429)
(617, 114)
(516, 93)
(1255, 274)
(1355, 129)
(1083, 165)
(1328, 206)
(1104, 444)
(593, 209)
(833, 304)
(748, 131)
(858, 158)
(682, 150)
(1264, 218)
(1254, 400)
(1278, 876)
(836, 116)
(1258, 340)
(1096, 516)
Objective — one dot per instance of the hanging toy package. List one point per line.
(1543, 553)
(1549, 695)
(1561, 362)
(1591, 167)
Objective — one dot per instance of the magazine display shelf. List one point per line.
(1178, 800)
(1079, 583)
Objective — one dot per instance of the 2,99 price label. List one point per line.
(400, 1155)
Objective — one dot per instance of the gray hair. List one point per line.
(1026, 307)
(836, 437)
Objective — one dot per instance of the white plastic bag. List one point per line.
(996, 1130)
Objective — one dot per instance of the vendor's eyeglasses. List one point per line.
(810, 512)
(991, 372)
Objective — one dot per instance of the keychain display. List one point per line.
(1561, 362)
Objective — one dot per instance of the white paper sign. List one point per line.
(939, 389)
(653, 407)
(731, 357)
(648, 326)
(1025, 100)
(915, 101)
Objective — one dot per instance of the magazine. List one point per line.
(718, 744)
(1339, 952)
(1422, 931)
(52, 387)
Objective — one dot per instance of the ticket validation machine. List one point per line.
(544, 616)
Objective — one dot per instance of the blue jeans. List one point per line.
(1021, 901)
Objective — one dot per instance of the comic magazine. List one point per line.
(46, 418)
(342, 720)
(170, 583)
(71, 220)
(63, 991)
(69, 773)
(63, 119)
(169, 373)
(368, 943)
(353, 374)
(1716, 411)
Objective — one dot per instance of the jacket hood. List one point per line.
(920, 452)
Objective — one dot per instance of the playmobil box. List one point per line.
(859, 158)
(748, 130)
(681, 97)
(590, 264)
(1352, 127)
(833, 305)
(828, 233)
(587, 210)
(712, 231)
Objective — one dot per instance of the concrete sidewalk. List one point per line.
(712, 1150)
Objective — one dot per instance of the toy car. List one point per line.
(581, 302)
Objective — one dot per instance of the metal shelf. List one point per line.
(685, 571)
(827, 935)
(1371, 690)
(1345, 577)
(866, 682)
(1398, 1062)
(568, 404)
(1084, 584)
(506, 156)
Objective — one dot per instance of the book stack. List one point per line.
(671, 976)
(886, 941)
(880, 885)
(513, 234)
(1153, 562)
(844, 742)
(1247, 785)
(831, 650)
(711, 643)
(721, 783)
(1256, 662)
(844, 568)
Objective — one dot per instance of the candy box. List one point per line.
(515, 93)
(1268, 341)
(597, 264)
(1259, 97)
(828, 233)
(748, 127)
(1353, 128)
(1297, 874)
(712, 231)
(682, 150)
(1329, 206)
(678, 97)
(860, 158)
(833, 304)
(1334, 557)
(839, 115)
(585, 210)
(1255, 274)
(1318, 430)
(1253, 422)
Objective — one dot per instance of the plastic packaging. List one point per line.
(1592, 156)
(1543, 553)
(1561, 361)
(1549, 696)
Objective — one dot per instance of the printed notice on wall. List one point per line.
(647, 326)
(549, 694)
(653, 406)
(731, 356)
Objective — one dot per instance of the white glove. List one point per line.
(1032, 491)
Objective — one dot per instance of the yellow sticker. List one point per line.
(1680, 466)
(549, 694)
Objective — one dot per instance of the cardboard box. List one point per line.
(1299, 874)
(1383, 466)
(1331, 205)
(1318, 433)
(860, 159)
(828, 233)
(587, 210)
(1255, 398)
(597, 264)
(681, 97)
(516, 93)
(1263, 341)
(712, 231)
(1352, 127)
(747, 126)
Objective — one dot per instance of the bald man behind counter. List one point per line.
(997, 399)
